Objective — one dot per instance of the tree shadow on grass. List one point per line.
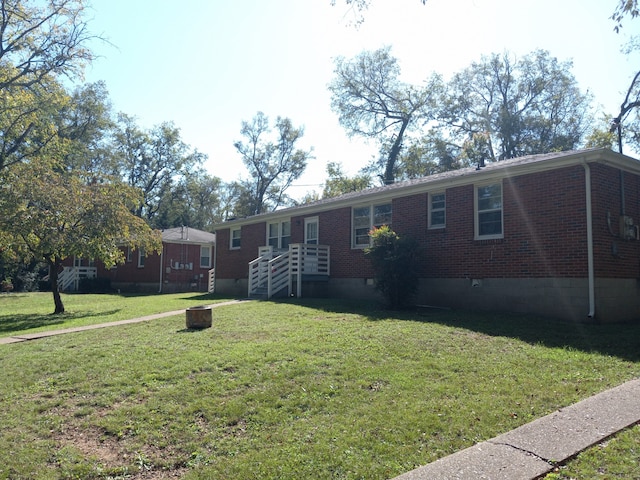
(618, 340)
(25, 322)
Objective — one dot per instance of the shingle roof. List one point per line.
(514, 166)
(187, 235)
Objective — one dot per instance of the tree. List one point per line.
(194, 201)
(624, 8)
(394, 261)
(338, 183)
(371, 101)
(359, 6)
(502, 108)
(152, 161)
(51, 214)
(273, 164)
(42, 39)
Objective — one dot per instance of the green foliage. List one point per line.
(338, 183)
(274, 161)
(394, 262)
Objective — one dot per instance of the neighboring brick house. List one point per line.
(553, 234)
(183, 264)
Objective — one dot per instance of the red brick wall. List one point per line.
(544, 225)
(614, 256)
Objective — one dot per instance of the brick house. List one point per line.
(553, 234)
(184, 264)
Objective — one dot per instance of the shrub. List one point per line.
(394, 261)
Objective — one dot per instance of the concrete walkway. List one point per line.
(526, 453)
(534, 449)
(50, 333)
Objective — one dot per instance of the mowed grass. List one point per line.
(289, 390)
(31, 312)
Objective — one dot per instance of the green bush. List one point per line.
(394, 261)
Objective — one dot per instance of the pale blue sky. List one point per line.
(207, 65)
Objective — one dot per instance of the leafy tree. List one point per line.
(86, 121)
(394, 260)
(51, 215)
(624, 8)
(273, 163)
(152, 161)
(371, 101)
(41, 39)
(502, 108)
(28, 123)
(194, 201)
(338, 183)
(629, 115)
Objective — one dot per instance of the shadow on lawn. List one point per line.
(619, 340)
(24, 322)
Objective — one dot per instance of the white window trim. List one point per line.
(280, 224)
(311, 220)
(141, 257)
(444, 209)
(208, 265)
(371, 225)
(476, 215)
(231, 238)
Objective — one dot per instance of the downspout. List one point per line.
(215, 261)
(592, 289)
(161, 268)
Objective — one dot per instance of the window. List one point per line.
(205, 256)
(489, 211)
(235, 238)
(279, 235)
(129, 255)
(311, 230)
(366, 218)
(141, 257)
(437, 214)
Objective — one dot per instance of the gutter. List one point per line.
(592, 290)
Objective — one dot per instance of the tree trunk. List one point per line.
(389, 175)
(53, 277)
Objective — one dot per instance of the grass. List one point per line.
(308, 389)
(31, 312)
(616, 458)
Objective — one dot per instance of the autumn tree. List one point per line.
(51, 215)
(274, 161)
(372, 102)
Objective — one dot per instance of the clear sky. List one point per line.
(207, 65)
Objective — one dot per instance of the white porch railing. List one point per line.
(211, 284)
(69, 278)
(273, 271)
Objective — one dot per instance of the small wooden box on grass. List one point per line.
(199, 317)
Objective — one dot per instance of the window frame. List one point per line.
(142, 257)
(371, 223)
(235, 242)
(208, 256)
(282, 241)
(432, 210)
(478, 212)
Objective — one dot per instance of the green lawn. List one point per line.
(297, 389)
(31, 312)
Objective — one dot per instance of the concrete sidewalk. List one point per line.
(50, 333)
(534, 449)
